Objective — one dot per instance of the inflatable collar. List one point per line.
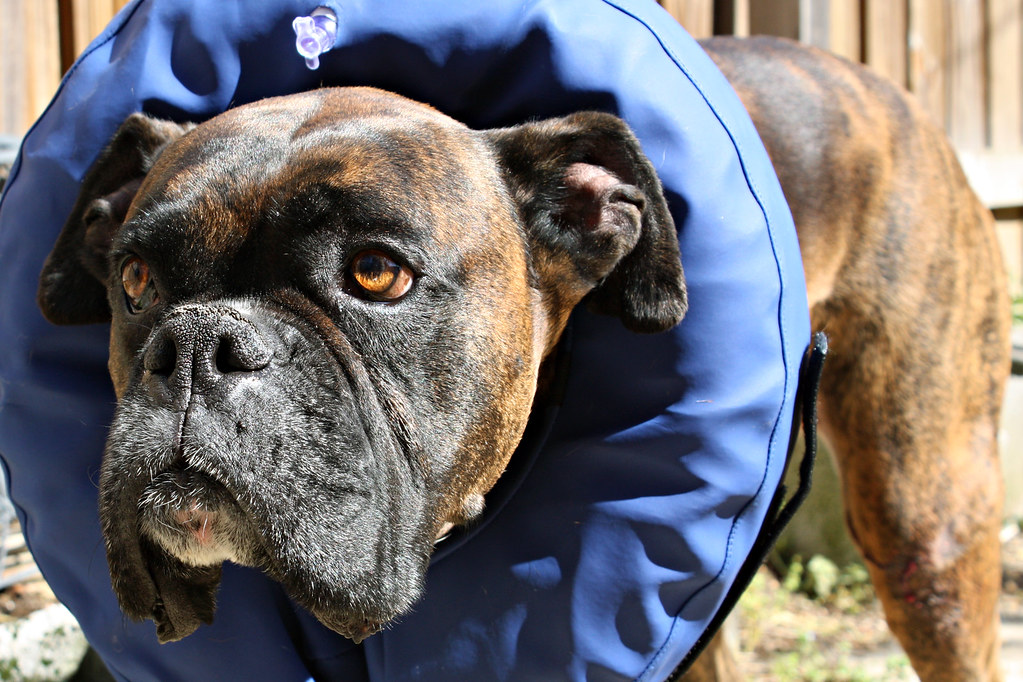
(610, 548)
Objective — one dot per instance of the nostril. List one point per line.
(240, 354)
(198, 346)
(225, 359)
(161, 358)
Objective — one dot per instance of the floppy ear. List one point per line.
(596, 217)
(72, 284)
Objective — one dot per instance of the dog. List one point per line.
(905, 275)
(225, 338)
(377, 216)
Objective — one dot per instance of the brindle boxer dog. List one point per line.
(328, 316)
(216, 256)
(905, 275)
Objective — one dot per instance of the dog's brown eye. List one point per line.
(378, 277)
(139, 289)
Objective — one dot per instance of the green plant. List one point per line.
(847, 588)
(8, 668)
(808, 664)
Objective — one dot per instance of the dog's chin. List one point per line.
(355, 629)
(168, 538)
(196, 520)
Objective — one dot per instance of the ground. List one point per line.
(25, 596)
(782, 635)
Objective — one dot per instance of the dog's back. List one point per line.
(905, 274)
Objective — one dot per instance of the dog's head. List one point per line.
(328, 315)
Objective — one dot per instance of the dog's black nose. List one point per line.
(197, 347)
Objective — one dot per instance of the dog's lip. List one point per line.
(187, 503)
(360, 631)
(200, 522)
(185, 479)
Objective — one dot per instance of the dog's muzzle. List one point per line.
(244, 436)
(203, 351)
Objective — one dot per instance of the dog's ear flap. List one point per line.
(72, 283)
(592, 201)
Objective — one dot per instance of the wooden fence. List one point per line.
(39, 40)
(962, 58)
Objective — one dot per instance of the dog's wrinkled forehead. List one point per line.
(376, 167)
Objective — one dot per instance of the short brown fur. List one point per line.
(904, 273)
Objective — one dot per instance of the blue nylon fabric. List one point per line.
(605, 552)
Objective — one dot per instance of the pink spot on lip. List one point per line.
(198, 522)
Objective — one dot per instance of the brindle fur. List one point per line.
(905, 275)
(268, 413)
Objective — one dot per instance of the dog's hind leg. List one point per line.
(716, 663)
(911, 416)
(904, 274)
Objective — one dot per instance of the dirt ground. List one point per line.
(26, 595)
(784, 636)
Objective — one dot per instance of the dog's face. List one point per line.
(328, 315)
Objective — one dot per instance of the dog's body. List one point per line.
(904, 273)
(305, 270)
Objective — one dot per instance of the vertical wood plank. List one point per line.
(29, 62)
(928, 56)
(1010, 236)
(884, 46)
(697, 16)
(81, 21)
(102, 12)
(845, 29)
(742, 10)
(10, 55)
(815, 23)
(775, 17)
(967, 77)
(66, 22)
(1005, 68)
(44, 56)
(731, 17)
(81, 25)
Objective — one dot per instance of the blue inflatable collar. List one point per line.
(622, 530)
